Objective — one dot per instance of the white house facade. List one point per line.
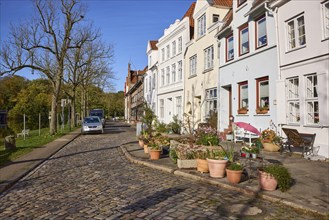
(303, 85)
(171, 47)
(248, 69)
(150, 78)
(201, 61)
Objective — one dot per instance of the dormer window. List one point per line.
(240, 2)
(202, 25)
(215, 18)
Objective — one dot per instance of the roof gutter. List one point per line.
(254, 9)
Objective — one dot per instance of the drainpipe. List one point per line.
(275, 14)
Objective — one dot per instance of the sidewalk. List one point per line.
(310, 191)
(19, 168)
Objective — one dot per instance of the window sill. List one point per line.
(242, 114)
(243, 54)
(192, 76)
(295, 49)
(316, 126)
(208, 70)
(325, 39)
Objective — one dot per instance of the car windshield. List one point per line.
(91, 120)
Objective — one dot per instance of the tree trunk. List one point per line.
(57, 88)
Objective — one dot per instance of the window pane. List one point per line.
(264, 93)
(301, 31)
(291, 35)
(244, 37)
(262, 38)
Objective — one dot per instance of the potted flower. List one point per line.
(245, 151)
(207, 136)
(155, 150)
(201, 160)
(273, 176)
(262, 109)
(234, 172)
(270, 140)
(254, 151)
(217, 162)
(243, 110)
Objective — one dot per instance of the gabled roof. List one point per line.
(227, 19)
(226, 3)
(189, 14)
(153, 44)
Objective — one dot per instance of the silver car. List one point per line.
(92, 124)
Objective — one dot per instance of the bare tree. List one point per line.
(87, 64)
(42, 43)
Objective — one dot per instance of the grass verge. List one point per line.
(32, 141)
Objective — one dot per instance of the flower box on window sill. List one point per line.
(262, 111)
(242, 111)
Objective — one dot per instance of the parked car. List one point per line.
(92, 124)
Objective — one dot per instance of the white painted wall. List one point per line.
(312, 58)
(171, 90)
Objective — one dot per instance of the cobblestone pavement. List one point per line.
(91, 179)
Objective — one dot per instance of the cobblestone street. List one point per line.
(91, 179)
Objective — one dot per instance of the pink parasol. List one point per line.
(247, 127)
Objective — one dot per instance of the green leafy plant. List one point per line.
(281, 174)
(176, 125)
(173, 155)
(148, 118)
(269, 136)
(235, 166)
(254, 150)
(161, 127)
(216, 154)
(201, 154)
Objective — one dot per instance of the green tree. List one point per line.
(10, 86)
(31, 101)
(115, 104)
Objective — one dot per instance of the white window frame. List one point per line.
(167, 75)
(244, 28)
(163, 54)
(180, 71)
(162, 77)
(229, 41)
(312, 100)
(180, 45)
(211, 101)
(293, 33)
(261, 102)
(325, 19)
(193, 65)
(293, 103)
(209, 58)
(173, 72)
(174, 48)
(179, 107)
(259, 42)
(243, 101)
(202, 25)
(161, 106)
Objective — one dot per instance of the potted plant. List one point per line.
(155, 150)
(273, 176)
(216, 162)
(262, 109)
(201, 160)
(243, 110)
(254, 151)
(234, 172)
(270, 140)
(245, 151)
(207, 136)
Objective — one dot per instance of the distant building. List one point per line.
(134, 95)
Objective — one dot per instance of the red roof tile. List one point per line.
(153, 44)
(226, 3)
(189, 14)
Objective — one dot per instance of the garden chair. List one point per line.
(296, 139)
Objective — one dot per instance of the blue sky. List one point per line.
(127, 25)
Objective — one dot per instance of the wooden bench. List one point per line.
(296, 139)
(25, 132)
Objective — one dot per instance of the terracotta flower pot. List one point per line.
(155, 154)
(202, 165)
(217, 168)
(141, 142)
(267, 181)
(146, 150)
(233, 176)
(270, 147)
